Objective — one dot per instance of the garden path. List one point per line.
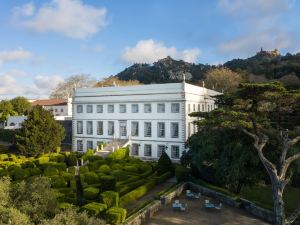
(151, 194)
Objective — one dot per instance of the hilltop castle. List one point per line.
(262, 52)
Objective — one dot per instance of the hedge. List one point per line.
(91, 178)
(132, 169)
(110, 198)
(163, 177)
(121, 153)
(3, 157)
(71, 160)
(115, 215)
(20, 174)
(182, 173)
(83, 169)
(91, 193)
(59, 166)
(58, 182)
(56, 157)
(136, 193)
(104, 169)
(116, 166)
(43, 159)
(123, 189)
(119, 175)
(51, 171)
(34, 171)
(107, 183)
(65, 205)
(95, 208)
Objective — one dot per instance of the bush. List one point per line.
(51, 171)
(132, 169)
(164, 164)
(116, 166)
(162, 178)
(182, 173)
(121, 153)
(91, 178)
(3, 157)
(56, 157)
(43, 159)
(136, 193)
(34, 171)
(94, 158)
(83, 169)
(104, 169)
(65, 205)
(119, 174)
(71, 160)
(71, 170)
(67, 176)
(58, 182)
(115, 215)
(107, 183)
(20, 174)
(95, 208)
(123, 189)
(110, 198)
(90, 193)
(59, 166)
(28, 164)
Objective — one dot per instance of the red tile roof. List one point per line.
(49, 102)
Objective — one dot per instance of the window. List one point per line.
(194, 107)
(189, 129)
(175, 107)
(160, 150)
(61, 110)
(99, 108)
(135, 149)
(122, 108)
(89, 127)
(55, 110)
(111, 128)
(174, 130)
(79, 145)
(89, 108)
(161, 108)
(189, 107)
(79, 109)
(198, 107)
(134, 108)
(208, 108)
(147, 129)
(147, 108)
(134, 128)
(160, 129)
(110, 108)
(100, 127)
(123, 128)
(79, 127)
(89, 145)
(148, 150)
(211, 107)
(175, 151)
(203, 108)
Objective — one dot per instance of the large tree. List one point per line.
(21, 105)
(222, 79)
(6, 109)
(40, 133)
(66, 88)
(266, 113)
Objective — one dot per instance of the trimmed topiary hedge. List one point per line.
(110, 198)
(71, 160)
(182, 173)
(91, 193)
(121, 153)
(58, 182)
(115, 215)
(51, 171)
(123, 189)
(95, 208)
(107, 183)
(131, 169)
(83, 169)
(104, 169)
(91, 178)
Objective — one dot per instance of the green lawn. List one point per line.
(262, 195)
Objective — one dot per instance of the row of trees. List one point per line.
(15, 106)
(266, 115)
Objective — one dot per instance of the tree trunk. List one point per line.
(277, 191)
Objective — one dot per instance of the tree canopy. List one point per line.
(40, 133)
(267, 113)
(21, 105)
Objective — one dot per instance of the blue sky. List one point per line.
(43, 42)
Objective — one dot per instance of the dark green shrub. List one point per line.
(34, 171)
(119, 175)
(83, 169)
(3, 172)
(91, 178)
(115, 215)
(104, 169)
(71, 170)
(144, 168)
(107, 183)
(51, 171)
(132, 169)
(71, 160)
(67, 176)
(182, 173)
(121, 153)
(163, 177)
(164, 164)
(90, 193)
(110, 198)
(94, 208)
(125, 188)
(20, 174)
(116, 166)
(94, 158)
(136, 193)
(28, 164)
(59, 166)
(95, 165)
(13, 167)
(58, 182)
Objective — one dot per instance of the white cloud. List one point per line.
(71, 18)
(11, 86)
(14, 55)
(149, 51)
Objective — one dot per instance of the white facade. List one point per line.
(15, 122)
(160, 111)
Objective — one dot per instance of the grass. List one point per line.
(262, 196)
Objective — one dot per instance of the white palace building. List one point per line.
(152, 118)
